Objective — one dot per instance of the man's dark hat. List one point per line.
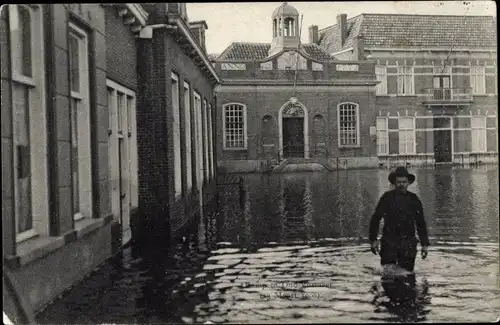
(401, 172)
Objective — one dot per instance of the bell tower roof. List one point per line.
(285, 10)
(286, 31)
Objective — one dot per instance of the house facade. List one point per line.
(286, 100)
(99, 103)
(437, 99)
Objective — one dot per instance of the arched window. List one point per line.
(348, 124)
(235, 126)
(275, 27)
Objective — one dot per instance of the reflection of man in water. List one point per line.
(401, 210)
(405, 299)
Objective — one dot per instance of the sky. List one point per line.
(251, 21)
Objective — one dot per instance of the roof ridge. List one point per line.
(408, 15)
(424, 15)
(256, 43)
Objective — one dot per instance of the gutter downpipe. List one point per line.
(147, 31)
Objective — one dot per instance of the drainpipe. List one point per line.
(147, 31)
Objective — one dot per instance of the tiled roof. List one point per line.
(212, 56)
(259, 51)
(410, 31)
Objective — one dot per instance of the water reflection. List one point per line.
(405, 299)
(458, 203)
(290, 254)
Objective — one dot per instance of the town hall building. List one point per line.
(287, 101)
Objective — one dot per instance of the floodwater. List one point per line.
(294, 250)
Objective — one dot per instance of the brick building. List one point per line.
(284, 101)
(437, 100)
(99, 103)
(175, 119)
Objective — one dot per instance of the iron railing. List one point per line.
(452, 95)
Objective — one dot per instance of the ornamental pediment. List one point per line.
(291, 59)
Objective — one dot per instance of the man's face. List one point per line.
(401, 184)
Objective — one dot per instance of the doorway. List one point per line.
(293, 137)
(442, 140)
(123, 190)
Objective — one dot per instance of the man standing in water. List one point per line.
(401, 210)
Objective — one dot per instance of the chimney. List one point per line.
(359, 48)
(313, 34)
(342, 26)
(198, 28)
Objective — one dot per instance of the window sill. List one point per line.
(350, 147)
(235, 149)
(484, 95)
(40, 246)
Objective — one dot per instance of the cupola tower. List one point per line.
(285, 29)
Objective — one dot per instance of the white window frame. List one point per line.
(206, 168)
(176, 131)
(130, 171)
(382, 136)
(408, 150)
(83, 126)
(340, 131)
(405, 74)
(478, 134)
(381, 73)
(224, 130)
(198, 138)
(37, 121)
(478, 73)
(210, 141)
(188, 136)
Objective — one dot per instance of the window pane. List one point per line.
(478, 122)
(234, 126)
(23, 151)
(129, 113)
(188, 135)
(406, 123)
(120, 109)
(74, 155)
(74, 63)
(25, 40)
(177, 137)
(382, 123)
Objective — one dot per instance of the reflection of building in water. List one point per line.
(480, 187)
(247, 216)
(309, 210)
(294, 190)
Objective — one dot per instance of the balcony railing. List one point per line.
(443, 96)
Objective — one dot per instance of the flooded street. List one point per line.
(294, 249)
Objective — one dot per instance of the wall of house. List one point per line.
(45, 265)
(424, 65)
(121, 50)
(121, 63)
(263, 137)
(157, 60)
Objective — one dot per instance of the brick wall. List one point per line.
(157, 59)
(121, 50)
(260, 104)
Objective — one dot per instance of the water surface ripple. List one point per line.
(294, 250)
